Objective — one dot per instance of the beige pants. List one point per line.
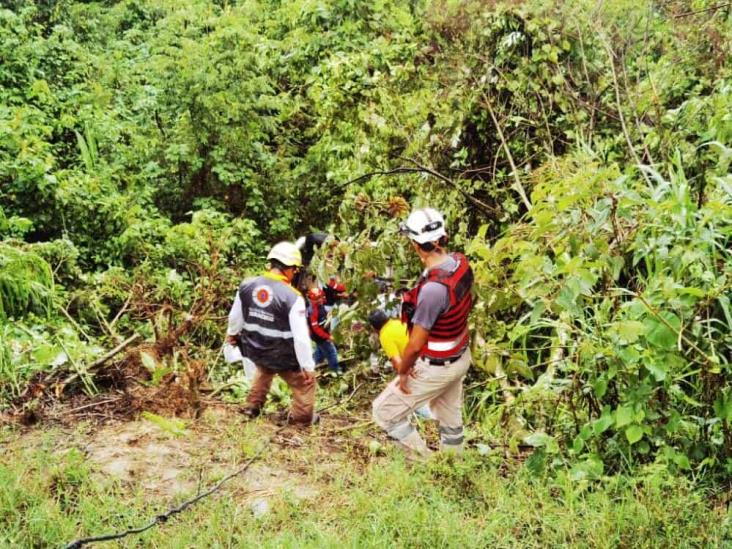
(439, 386)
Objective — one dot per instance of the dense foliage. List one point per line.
(151, 151)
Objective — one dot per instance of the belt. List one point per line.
(442, 361)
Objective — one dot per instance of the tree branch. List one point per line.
(419, 168)
(712, 8)
(623, 125)
(518, 186)
(445, 179)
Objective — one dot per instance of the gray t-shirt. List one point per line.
(434, 298)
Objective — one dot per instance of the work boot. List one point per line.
(250, 413)
(452, 448)
(313, 421)
(415, 444)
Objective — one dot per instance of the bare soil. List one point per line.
(147, 459)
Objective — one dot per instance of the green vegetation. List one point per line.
(469, 502)
(151, 151)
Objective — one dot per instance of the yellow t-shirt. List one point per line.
(394, 337)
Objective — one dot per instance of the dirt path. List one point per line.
(170, 460)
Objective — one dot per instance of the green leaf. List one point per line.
(623, 416)
(723, 407)
(690, 290)
(600, 386)
(603, 423)
(567, 298)
(634, 433)
(578, 444)
(682, 460)
(629, 355)
(658, 369)
(659, 334)
(45, 354)
(542, 440)
(630, 330)
(590, 469)
(536, 463)
(173, 426)
(148, 361)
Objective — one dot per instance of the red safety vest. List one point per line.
(449, 334)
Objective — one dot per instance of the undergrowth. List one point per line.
(49, 497)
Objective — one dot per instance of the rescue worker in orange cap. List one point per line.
(437, 356)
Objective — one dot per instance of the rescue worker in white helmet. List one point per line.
(268, 318)
(437, 356)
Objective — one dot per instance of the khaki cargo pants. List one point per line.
(439, 386)
(303, 395)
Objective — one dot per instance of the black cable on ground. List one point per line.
(159, 519)
(175, 510)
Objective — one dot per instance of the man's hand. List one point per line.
(417, 341)
(309, 377)
(404, 376)
(403, 381)
(231, 340)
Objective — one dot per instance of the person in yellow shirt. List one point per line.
(393, 337)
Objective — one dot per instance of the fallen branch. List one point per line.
(93, 405)
(75, 324)
(101, 360)
(225, 386)
(119, 348)
(454, 185)
(365, 423)
(712, 8)
(103, 322)
(623, 125)
(164, 517)
(341, 402)
(678, 333)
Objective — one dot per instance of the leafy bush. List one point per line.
(150, 152)
(610, 306)
(26, 283)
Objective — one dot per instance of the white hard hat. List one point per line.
(286, 253)
(424, 225)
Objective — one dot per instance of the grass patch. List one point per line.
(49, 496)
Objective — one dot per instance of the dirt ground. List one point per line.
(149, 457)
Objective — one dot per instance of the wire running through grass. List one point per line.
(159, 519)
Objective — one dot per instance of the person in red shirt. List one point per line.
(319, 330)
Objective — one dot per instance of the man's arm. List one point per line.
(301, 340)
(432, 302)
(417, 340)
(236, 321)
